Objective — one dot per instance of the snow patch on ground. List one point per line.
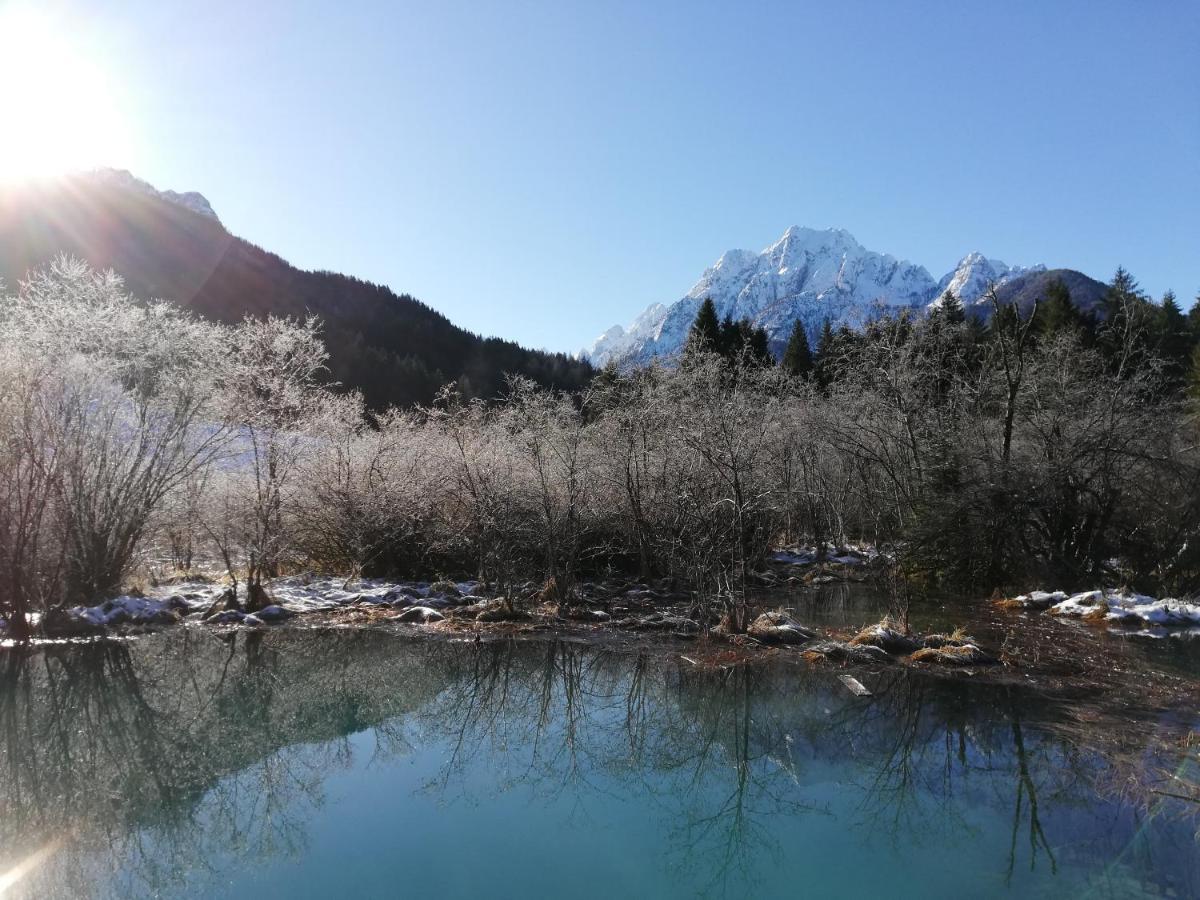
(300, 594)
(1128, 607)
(291, 596)
(849, 555)
(131, 610)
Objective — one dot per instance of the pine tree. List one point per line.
(797, 358)
(826, 348)
(705, 333)
(1194, 375)
(731, 338)
(951, 310)
(1123, 283)
(756, 345)
(1194, 321)
(1057, 313)
(1123, 295)
(1123, 337)
(1173, 341)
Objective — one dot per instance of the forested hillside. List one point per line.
(1087, 294)
(392, 347)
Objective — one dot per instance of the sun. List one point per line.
(58, 107)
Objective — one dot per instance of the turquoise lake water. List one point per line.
(358, 763)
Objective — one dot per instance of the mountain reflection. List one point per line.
(180, 757)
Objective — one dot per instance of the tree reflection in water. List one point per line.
(172, 758)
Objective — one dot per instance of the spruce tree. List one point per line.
(1122, 284)
(705, 333)
(1173, 341)
(731, 338)
(1057, 312)
(743, 344)
(823, 367)
(756, 344)
(797, 358)
(1194, 321)
(951, 310)
(1123, 337)
(1193, 385)
(1123, 296)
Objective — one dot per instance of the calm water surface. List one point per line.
(353, 763)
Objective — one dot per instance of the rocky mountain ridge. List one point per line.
(808, 274)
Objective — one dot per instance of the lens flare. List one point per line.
(25, 866)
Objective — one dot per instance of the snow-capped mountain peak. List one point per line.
(808, 274)
(969, 280)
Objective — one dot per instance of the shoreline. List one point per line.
(1018, 644)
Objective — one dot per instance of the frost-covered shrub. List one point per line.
(111, 404)
(552, 441)
(985, 457)
(279, 414)
(31, 551)
(483, 509)
(368, 495)
(722, 511)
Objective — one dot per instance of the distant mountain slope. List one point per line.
(192, 200)
(394, 348)
(816, 275)
(1087, 294)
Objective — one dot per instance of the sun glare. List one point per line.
(59, 109)
(27, 865)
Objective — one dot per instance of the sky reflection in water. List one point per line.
(360, 763)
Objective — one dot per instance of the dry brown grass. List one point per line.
(964, 655)
(886, 636)
(956, 638)
(1009, 603)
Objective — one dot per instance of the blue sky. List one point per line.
(543, 170)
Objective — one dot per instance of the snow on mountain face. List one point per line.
(192, 200)
(970, 279)
(620, 342)
(807, 274)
